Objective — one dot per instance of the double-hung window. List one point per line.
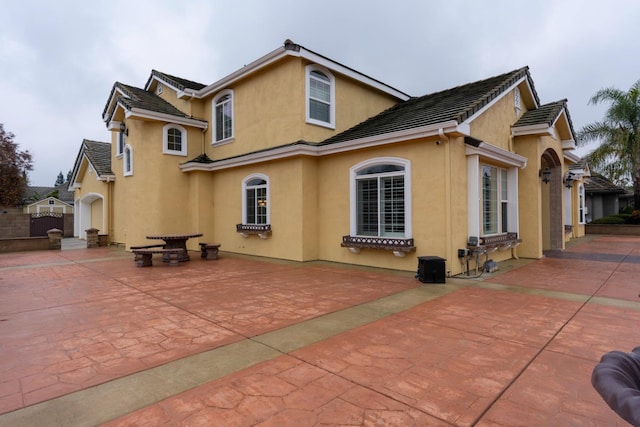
(223, 116)
(174, 140)
(256, 196)
(320, 97)
(381, 192)
(495, 200)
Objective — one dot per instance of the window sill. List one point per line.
(321, 123)
(399, 247)
(261, 230)
(222, 142)
(174, 153)
(490, 244)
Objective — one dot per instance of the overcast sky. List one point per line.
(60, 59)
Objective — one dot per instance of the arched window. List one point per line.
(223, 116)
(127, 165)
(255, 203)
(381, 198)
(174, 140)
(320, 96)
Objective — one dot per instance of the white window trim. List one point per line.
(165, 140)
(119, 135)
(353, 173)
(332, 105)
(127, 149)
(474, 196)
(244, 195)
(225, 92)
(582, 205)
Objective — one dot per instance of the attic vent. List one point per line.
(516, 101)
(159, 88)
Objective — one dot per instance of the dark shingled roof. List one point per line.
(35, 194)
(579, 165)
(177, 82)
(140, 98)
(545, 114)
(458, 104)
(99, 154)
(599, 184)
(201, 158)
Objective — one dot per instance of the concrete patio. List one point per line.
(86, 338)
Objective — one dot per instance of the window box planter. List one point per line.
(399, 247)
(261, 230)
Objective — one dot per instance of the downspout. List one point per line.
(447, 192)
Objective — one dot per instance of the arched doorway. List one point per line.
(89, 213)
(551, 182)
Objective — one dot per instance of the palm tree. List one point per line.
(618, 155)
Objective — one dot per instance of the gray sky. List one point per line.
(59, 59)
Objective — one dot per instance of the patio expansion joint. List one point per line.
(587, 299)
(112, 399)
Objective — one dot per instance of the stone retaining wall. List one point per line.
(21, 244)
(615, 229)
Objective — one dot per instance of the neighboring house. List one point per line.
(602, 197)
(295, 156)
(56, 199)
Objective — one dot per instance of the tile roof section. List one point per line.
(599, 184)
(99, 155)
(455, 104)
(140, 98)
(177, 82)
(545, 114)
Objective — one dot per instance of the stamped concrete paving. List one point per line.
(86, 337)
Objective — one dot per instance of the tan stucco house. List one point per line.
(298, 157)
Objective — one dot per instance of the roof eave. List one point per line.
(283, 52)
(154, 115)
(451, 128)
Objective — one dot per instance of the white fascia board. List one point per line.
(495, 100)
(146, 114)
(570, 156)
(498, 154)
(116, 93)
(390, 138)
(323, 150)
(147, 87)
(533, 130)
(106, 178)
(242, 72)
(334, 66)
(568, 144)
(281, 53)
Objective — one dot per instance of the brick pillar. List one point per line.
(92, 238)
(55, 239)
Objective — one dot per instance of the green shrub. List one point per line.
(614, 219)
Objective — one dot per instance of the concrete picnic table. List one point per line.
(175, 241)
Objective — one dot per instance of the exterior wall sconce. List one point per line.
(545, 174)
(568, 180)
(123, 129)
